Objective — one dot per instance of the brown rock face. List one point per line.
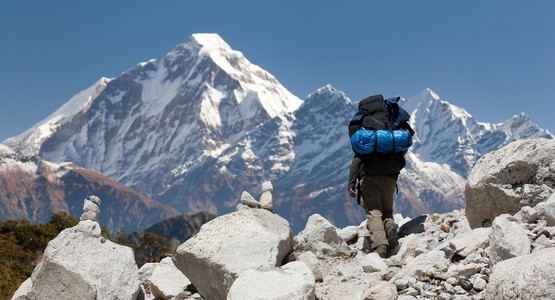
(31, 188)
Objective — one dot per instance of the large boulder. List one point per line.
(524, 277)
(80, 264)
(228, 245)
(292, 281)
(517, 175)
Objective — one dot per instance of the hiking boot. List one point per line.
(381, 250)
(391, 230)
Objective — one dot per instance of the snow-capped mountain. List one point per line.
(202, 124)
(448, 134)
(162, 115)
(32, 188)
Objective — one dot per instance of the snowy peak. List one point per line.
(327, 100)
(216, 64)
(327, 95)
(213, 45)
(210, 40)
(521, 126)
(449, 135)
(194, 102)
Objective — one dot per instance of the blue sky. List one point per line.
(494, 58)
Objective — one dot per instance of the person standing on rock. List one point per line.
(380, 136)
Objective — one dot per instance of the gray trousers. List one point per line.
(377, 200)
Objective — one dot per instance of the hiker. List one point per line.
(373, 173)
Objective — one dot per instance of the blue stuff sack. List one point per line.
(383, 141)
(364, 141)
(403, 140)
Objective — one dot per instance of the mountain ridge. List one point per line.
(202, 124)
(32, 188)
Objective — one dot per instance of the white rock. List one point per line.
(249, 200)
(231, 244)
(146, 271)
(23, 291)
(310, 259)
(507, 240)
(373, 263)
(88, 215)
(348, 234)
(468, 242)
(94, 199)
(91, 206)
(401, 283)
(423, 266)
(320, 237)
(168, 261)
(464, 270)
(383, 291)
(524, 277)
(266, 201)
(526, 214)
(543, 242)
(79, 265)
(242, 206)
(52, 280)
(547, 210)
(479, 284)
(292, 281)
(167, 281)
(363, 244)
(408, 247)
(267, 186)
(90, 227)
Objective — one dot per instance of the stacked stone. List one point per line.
(91, 208)
(265, 202)
(266, 197)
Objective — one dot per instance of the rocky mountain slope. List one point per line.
(32, 188)
(178, 228)
(253, 254)
(202, 124)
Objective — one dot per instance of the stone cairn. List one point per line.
(91, 208)
(265, 202)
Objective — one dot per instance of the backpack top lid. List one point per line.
(372, 103)
(366, 107)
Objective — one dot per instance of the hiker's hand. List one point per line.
(352, 192)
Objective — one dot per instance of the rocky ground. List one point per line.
(252, 253)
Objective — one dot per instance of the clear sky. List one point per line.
(494, 58)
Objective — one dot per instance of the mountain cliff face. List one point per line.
(161, 116)
(202, 124)
(32, 188)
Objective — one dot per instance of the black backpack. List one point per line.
(376, 113)
(372, 114)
